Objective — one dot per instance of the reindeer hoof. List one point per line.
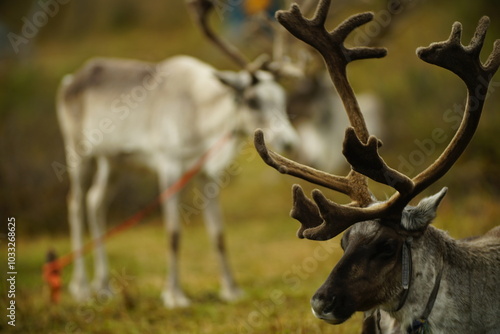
(101, 288)
(232, 294)
(175, 299)
(79, 290)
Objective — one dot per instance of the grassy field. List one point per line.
(278, 272)
(271, 304)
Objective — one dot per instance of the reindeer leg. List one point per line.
(96, 214)
(213, 222)
(78, 286)
(172, 295)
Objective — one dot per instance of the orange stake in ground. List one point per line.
(52, 275)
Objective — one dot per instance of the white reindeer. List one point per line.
(166, 116)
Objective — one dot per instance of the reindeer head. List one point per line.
(375, 270)
(261, 100)
(370, 273)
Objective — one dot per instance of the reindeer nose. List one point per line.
(288, 147)
(322, 306)
(291, 143)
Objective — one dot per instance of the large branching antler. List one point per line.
(324, 219)
(282, 64)
(201, 10)
(463, 61)
(337, 56)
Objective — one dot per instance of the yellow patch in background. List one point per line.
(256, 6)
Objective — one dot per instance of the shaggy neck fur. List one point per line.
(470, 270)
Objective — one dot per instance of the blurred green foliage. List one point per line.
(415, 95)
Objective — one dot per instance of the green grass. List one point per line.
(271, 304)
(278, 272)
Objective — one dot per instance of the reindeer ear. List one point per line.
(235, 80)
(417, 218)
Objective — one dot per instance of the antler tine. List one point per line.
(468, 56)
(463, 61)
(336, 55)
(313, 218)
(280, 64)
(305, 211)
(200, 10)
(286, 166)
(365, 159)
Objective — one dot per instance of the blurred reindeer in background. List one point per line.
(396, 267)
(316, 111)
(166, 116)
(318, 115)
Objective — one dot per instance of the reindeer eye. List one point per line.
(387, 249)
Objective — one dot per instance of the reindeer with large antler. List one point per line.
(394, 261)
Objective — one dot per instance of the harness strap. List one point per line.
(432, 298)
(407, 266)
(420, 325)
